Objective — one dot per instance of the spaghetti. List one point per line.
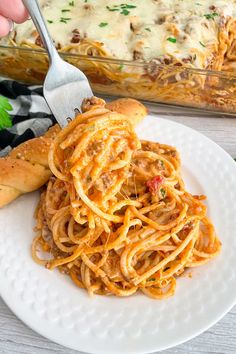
(116, 216)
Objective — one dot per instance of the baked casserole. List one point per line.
(169, 51)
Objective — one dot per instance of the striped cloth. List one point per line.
(31, 116)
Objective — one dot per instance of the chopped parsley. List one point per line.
(125, 12)
(103, 24)
(112, 9)
(163, 192)
(203, 45)
(5, 107)
(65, 10)
(211, 16)
(121, 67)
(148, 29)
(49, 21)
(126, 6)
(171, 39)
(71, 3)
(123, 8)
(65, 19)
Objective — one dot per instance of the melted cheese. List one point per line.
(142, 30)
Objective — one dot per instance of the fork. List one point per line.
(65, 86)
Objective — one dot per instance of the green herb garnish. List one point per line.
(123, 8)
(49, 21)
(211, 16)
(71, 3)
(103, 24)
(171, 39)
(148, 29)
(5, 107)
(65, 10)
(65, 19)
(202, 44)
(163, 192)
(151, 279)
(112, 9)
(126, 6)
(125, 12)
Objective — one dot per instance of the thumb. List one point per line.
(5, 26)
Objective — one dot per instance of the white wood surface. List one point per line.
(15, 337)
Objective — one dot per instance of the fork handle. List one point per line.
(33, 8)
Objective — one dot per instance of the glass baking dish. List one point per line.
(161, 83)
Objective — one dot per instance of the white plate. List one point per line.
(49, 302)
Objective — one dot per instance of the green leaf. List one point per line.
(5, 120)
(5, 107)
(4, 103)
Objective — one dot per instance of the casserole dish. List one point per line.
(170, 51)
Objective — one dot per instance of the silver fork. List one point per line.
(65, 86)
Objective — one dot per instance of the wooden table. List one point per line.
(15, 337)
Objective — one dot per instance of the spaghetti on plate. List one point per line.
(116, 216)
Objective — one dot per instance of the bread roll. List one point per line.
(26, 168)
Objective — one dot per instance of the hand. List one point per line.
(11, 10)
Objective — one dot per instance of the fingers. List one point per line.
(5, 26)
(14, 10)
(11, 10)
